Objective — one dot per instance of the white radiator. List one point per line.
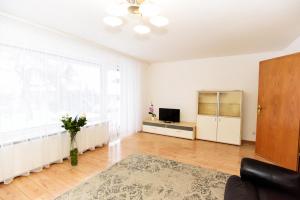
(22, 156)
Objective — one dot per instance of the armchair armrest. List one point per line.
(265, 174)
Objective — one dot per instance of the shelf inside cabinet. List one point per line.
(230, 110)
(230, 97)
(230, 104)
(207, 108)
(208, 97)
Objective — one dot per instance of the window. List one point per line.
(36, 89)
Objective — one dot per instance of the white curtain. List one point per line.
(112, 100)
(130, 99)
(123, 100)
(37, 88)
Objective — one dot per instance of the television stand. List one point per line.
(176, 129)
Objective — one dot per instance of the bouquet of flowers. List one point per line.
(73, 127)
(151, 111)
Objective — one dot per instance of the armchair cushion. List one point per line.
(236, 189)
(268, 175)
(268, 193)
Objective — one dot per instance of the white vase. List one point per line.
(152, 118)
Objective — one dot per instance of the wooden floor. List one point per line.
(59, 178)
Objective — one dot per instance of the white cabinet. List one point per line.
(229, 130)
(180, 133)
(207, 127)
(182, 129)
(220, 116)
(153, 129)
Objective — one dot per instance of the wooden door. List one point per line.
(278, 120)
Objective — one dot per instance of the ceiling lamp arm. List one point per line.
(136, 2)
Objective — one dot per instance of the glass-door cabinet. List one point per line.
(220, 116)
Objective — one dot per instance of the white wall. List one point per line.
(175, 84)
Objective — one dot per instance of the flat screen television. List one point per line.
(169, 115)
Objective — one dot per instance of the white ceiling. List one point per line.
(197, 29)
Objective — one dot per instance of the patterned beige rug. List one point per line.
(145, 177)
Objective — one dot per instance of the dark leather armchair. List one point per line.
(263, 181)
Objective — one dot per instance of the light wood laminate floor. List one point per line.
(59, 178)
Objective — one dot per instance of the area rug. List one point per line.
(145, 177)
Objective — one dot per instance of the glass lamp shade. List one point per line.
(141, 29)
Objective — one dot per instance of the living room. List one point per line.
(121, 99)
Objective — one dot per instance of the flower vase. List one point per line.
(74, 152)
(152, 118)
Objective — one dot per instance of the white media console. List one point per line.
(182, 129)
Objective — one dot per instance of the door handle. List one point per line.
(259, 108)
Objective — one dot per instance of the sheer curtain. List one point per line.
(112, 100)
(37, 88)
(130, 99)
(123, 100)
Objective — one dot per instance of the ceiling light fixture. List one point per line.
(141, 29)
(146, 9)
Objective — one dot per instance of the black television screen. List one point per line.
(169, 115)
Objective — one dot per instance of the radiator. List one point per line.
(21, 157)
